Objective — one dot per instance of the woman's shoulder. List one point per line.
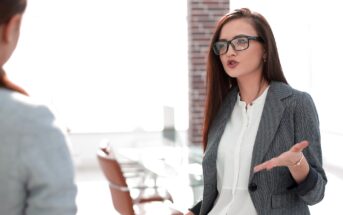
(13, 101)
(287, 90)
(29, 122)
(20, 110)
(292, 97)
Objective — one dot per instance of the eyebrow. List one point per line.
(237, 36)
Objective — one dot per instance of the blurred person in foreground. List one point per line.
(36, 169)
(261, 137)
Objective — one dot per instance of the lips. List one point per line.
(232, 64)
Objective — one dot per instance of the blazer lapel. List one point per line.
(270, 120)
(210, 157)
(214, 136)
(222, 117)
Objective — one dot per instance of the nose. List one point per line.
(231, 51)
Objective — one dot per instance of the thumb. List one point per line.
(300, 146)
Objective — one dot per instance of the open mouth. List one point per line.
(232, 63)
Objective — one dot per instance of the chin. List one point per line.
(232, 74)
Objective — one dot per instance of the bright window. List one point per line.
(104, 65)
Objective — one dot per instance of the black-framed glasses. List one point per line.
(238, 44)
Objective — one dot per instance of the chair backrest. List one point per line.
(120, 193)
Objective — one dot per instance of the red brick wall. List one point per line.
(202, 17)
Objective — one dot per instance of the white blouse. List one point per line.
(234, 159)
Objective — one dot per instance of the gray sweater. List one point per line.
(36, 170)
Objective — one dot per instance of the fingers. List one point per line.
(259, 167)
(300, 146)
(268, 165)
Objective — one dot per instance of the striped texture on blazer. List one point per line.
(289, 116)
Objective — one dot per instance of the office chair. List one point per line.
(120, 191)
(128, 167)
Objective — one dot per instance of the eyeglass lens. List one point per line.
(238, 44)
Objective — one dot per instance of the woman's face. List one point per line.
(244, 63)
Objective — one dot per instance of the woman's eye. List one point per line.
(241, 41)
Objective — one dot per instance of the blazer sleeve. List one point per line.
(306, 122)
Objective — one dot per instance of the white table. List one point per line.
(178, 167)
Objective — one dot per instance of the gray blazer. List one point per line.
(289, 116)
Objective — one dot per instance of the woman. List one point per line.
(36, 170)
(254, 121)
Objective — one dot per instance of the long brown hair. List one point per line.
(218, 83)
(9, 8)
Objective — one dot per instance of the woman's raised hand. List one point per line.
(290, 158)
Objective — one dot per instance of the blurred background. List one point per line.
(133, 72)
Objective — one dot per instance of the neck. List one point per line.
(2, 77)
(251, 90)
(5, 82)
(2, 73)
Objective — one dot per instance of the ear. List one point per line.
(11, 29)
(9, 35)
